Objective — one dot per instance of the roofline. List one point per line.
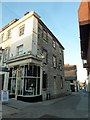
(51, 33)
(26, 15)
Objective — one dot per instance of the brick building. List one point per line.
(84, 27)
(34, 58)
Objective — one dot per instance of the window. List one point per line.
(21, 30)
(8, 34)
(6, 54)
(45, 35)
(60, 51)
(32, 70)
(45, 54)
(39, 33)
(61, 82)
(20, 50)
(60, 65)
(32, 80)
(54, 61)
(30, 86)
(54, 44)
(44, 83)
(2, 37)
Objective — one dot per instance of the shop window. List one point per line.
(38, 86)
(30, 86)
(38, 71)
(32, 70)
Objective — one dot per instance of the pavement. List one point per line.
(56, 108)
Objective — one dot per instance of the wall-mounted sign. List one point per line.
(4, 96)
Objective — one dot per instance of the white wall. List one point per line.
(29, 39)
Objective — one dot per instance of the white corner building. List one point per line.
(31, 60)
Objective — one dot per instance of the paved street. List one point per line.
(72, 106)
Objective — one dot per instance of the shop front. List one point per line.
(25, 80)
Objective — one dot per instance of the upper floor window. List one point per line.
(60, 65)
(60, 51)
(54, 62)
(21, 30)
(8, 34)
(45, 54)
(39, 33)
(2, 37)
(44, 35)
(6, 54)
(20, 50)
(54, 44)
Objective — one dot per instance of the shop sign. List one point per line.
(4, 96)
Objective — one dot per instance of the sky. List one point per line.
(61, 18)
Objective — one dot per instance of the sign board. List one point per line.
(4, 96)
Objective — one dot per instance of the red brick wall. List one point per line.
(84, 12)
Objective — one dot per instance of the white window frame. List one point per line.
(20, 52)
(9, 34)
(21, 30)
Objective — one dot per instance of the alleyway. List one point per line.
(72, 106)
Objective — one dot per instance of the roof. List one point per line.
(41, 22)
(70, 67)
(84, 12)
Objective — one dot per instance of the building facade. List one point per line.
(71, 76)
(84, 27)
(34, 58)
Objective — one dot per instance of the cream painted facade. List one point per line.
(27, 64)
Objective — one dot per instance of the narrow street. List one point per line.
(71, 106)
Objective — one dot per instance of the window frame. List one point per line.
(9, 34)
(21, 51)
(54, 44)
(54, 61)
(21, 30)
(46, 56)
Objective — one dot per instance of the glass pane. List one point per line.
(38, 71)
(38, 86)
(30, 86)
(13, 85)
